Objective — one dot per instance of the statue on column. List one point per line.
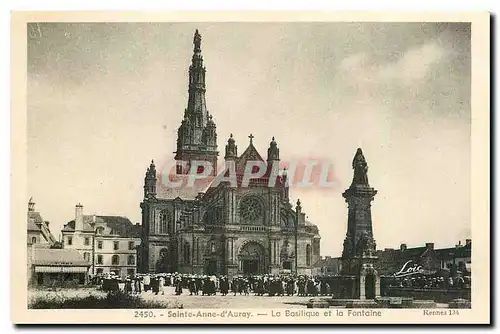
(360, 169)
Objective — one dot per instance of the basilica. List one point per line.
(222, 227)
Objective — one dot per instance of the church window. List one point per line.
(87, 241)
(165, 222)
(187, 255)
(213, 216)
(251, 210)
(115, 260)
(131, 260)
(170, 226)
(115, 245)
(99, 259)
(285, 221)
(308, 255)
(99, 244)
(33, 240)
(70, 241)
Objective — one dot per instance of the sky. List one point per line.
(104, 99)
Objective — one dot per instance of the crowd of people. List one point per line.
(205, 285)
(258, 285)
(430, 282)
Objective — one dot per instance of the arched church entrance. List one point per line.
(162, 265)
(251, 258)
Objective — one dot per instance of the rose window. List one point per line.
(251, 209)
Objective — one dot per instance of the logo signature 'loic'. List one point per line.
(409, 268)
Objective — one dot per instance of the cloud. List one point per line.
(364, 71)
(414, 66)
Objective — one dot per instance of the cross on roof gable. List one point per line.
(250, 154)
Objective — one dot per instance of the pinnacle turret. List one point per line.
(231, 149)
(273, 152)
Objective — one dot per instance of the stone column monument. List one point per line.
(359, 262)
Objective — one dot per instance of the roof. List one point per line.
(458, 251)
(70, 226)
(35, 223)
(443, 253)
(119, 225)
(250, 154)
(327, 262)
(164, 191)
(35, 216)
(59, 257)
(311, 228)
(407, 254)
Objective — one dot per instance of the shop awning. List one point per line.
(60, 269)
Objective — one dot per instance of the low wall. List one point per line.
(438, 295)
(343, 286)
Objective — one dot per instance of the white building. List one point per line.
(109, 242)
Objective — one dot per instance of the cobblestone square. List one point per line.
(229, 301)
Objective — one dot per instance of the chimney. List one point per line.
(468, 242)
(403, 247)
(429, 245)
(31, 205)
(78, 217)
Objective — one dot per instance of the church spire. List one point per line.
(197, 134)
(197, 107)
(197, 42)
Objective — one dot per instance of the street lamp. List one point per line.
(296, 223)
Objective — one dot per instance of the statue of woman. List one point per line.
(360, 169)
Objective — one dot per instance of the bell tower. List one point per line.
(197, 135)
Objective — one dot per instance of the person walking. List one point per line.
(147, 281)
(161, 285)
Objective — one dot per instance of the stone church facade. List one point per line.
(217, 227)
